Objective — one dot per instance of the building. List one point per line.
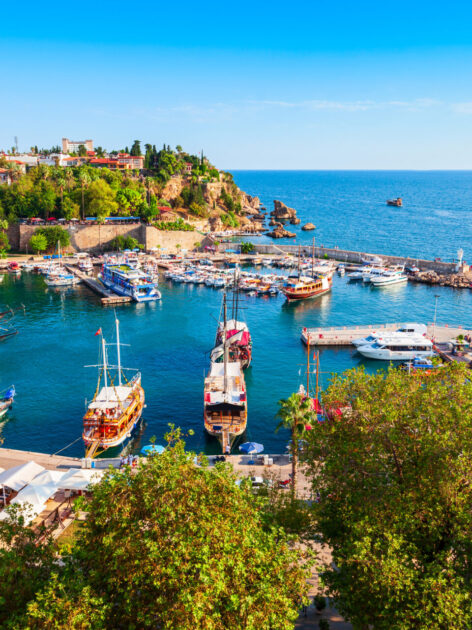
(54, 159)
(5, 176)
(188, 168)
(25, 158)
(121, 162)
(72, 146)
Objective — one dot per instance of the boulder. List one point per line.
(308, 226)
(283, 212)
(295, 220)
(281, 232)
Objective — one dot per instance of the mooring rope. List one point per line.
(63, 449)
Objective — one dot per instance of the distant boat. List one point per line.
(395, 202)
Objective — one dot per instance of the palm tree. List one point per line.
(295, 413)
(84, 180)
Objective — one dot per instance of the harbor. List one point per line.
(170, 343)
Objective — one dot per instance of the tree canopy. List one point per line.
(394, 477)
(170, 545)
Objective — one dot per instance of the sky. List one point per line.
(255, 85)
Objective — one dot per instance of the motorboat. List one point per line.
(388, 278)
(6, 400)
(398, 347)
(419, 329)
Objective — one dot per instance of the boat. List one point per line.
(388, 278)
(419, 364)
(225, 399)
(398, 202)
(61, 279)
(123, 279)
(85, 265)
(14, 268)
(235, 332)
(419, 329)
(372, 261)
(397, 347)
(298, 287)
(341, 270)
(116, 408)
(6, 400)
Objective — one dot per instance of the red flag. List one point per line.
(99, 332)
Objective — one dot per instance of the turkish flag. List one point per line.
(99, 332)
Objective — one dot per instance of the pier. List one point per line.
(107, 297)
(345, 335)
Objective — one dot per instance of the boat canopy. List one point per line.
(232, 369)
(234, 324)
(110, 397)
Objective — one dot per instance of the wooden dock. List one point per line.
(344, 335)
(108, 298)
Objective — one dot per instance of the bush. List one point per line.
(323, 624)
(54, 235)
(174, 226)
(247, 248)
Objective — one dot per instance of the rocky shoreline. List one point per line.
(456, 280)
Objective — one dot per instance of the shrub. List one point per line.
(320, 602)
(54, 235)
(247, 248)
(38, 243)
(174, 226)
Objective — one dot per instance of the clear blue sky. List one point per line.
(317, 84)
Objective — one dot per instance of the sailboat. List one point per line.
(298, 287)
(225, 399)
(237, 334)
(116, 408)
(58, 276)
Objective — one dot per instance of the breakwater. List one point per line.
(350, 256)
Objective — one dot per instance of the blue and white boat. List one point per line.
(123, 279)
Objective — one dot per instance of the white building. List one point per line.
(54, 158)
(72, 146)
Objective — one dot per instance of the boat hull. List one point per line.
(304, 295)
(129, 293)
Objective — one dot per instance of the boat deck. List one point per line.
(107, 296)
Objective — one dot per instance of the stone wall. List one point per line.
(96, 238)
(349, 256)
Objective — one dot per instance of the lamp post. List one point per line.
(436, 297)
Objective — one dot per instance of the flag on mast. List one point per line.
(99, 332)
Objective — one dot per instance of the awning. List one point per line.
(79, 478)
(19, 476)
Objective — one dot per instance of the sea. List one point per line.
(169, 341)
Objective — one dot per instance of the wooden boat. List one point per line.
(225, 400)
(14, 268)
(298, 287)
(238, 336)
(116, 409)
(395, 202)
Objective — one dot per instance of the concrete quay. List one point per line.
(351, 256)
(344, 335)
(107, 297)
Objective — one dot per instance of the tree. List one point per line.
(136, 148)
(70, 209)
(25, 566)
(184, 547)
(84, 179)
(247, 248)
(82, 151)
(101, 199)
(4, 242)
(393, 468)
(178, 148)
(38, 243)
(55, 235)
(295, 413)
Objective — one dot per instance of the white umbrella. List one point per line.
(18, 476)
(79, 478)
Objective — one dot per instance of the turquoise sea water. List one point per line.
(170, 340)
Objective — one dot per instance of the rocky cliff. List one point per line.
(282, 212)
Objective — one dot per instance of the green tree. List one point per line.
(247, 248)
(101, 199)
(295, 413)
(38, 243)
(82, 151)
(136, 148)
(184, 547)
(70, 209)
(4, 242)
(392, 464)
(84, 179)
(54, 234)
(25, 567)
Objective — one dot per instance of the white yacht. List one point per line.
(419, 329)
(388, 278)
(398, 347)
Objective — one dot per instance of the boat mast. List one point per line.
(317, 373)
(308, 368)
(236, 293)
(225, 348)
(118, 353)
(104, 352)
(313, 260)
(299, 268)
